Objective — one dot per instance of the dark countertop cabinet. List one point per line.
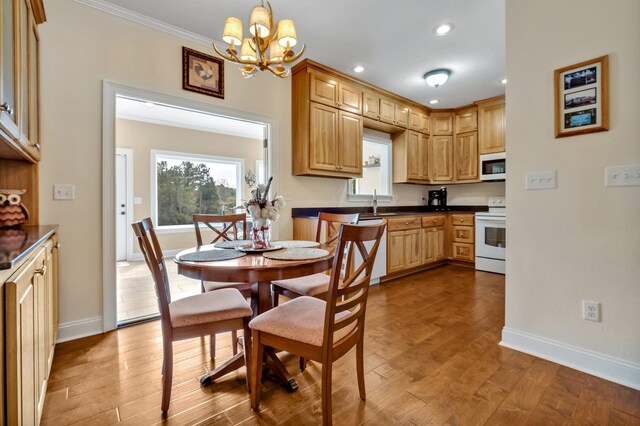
(367, 212)
(17, 244)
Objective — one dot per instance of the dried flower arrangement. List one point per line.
(261, 210)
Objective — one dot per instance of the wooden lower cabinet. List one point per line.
(412, 248)
(463, 251)
(432, 245)
(395, 251)
(31, 311)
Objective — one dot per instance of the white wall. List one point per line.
(81, 47)
(581, 240)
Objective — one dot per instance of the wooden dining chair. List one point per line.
(318, 330)
(194, 316)
(224, 228)
(315, 285)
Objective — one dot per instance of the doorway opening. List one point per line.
(171, 161)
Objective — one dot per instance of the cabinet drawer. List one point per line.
(463, 251)
(430, 221)
(401, 223)
(463, 234)
(462, 219)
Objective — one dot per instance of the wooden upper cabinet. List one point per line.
(441, 123)
(323, 138)
(387, 111)
(19, 95)
(331, 91)
(350, 143)
(424, 123)
(491, 126)
(441, 159)
(467, 120)
(415, 120)
(323, 89)
(401, 115)
(349, 97)
(466, 157)
(371, 105)
(410, 157)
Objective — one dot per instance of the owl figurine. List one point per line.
(13, 213)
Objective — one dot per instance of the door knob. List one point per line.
(123, 213)
(122, 205)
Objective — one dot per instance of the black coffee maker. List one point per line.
(438, 197)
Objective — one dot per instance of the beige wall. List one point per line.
(581, 240)
(81, 47)
(142, 137)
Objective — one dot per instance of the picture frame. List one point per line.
(202, 73)
(582, 97)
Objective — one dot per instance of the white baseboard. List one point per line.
(76, 329)
(607, 367)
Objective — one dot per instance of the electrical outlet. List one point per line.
(622, 176)
(64, 191)
(590, 311)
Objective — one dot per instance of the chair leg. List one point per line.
(257, 354)
(234, 342)
(303, 363)
(201, 286)
(326, 393)
(167, 378)
(276, 296)
(246, 337)
(212, 346)
(360, 366)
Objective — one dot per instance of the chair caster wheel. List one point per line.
(206, 380)
(292, 385)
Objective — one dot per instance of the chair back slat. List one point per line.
(331, 223)
(227, 229)
(347, 295)
(148, 241)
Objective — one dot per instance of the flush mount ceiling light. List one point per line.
(443, 29)
(503, 81)
(359, 68)
(437, 78)
(434, 101)
(269, 48)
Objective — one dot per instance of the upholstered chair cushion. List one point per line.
(213, 285)
(207, 307)
(311, 285)
(301, 319)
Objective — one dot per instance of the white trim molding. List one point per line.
(76, 329)
(597, 364)
(145, 20)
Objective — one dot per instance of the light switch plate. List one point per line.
(541, 180)
(64, 191)
(622, 175)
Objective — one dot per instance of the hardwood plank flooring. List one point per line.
(431, 358)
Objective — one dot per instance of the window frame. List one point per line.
(369, 136)
(186, 156)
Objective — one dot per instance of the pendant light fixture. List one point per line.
(268, 48)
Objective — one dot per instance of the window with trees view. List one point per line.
(188, 184)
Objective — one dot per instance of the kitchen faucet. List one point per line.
(375, 202)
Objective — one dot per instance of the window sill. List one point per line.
(175, 229)
(368, 198)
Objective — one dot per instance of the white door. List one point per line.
(121, 206)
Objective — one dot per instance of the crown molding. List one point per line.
(147, 21)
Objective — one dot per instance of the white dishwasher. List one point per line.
(380, 264)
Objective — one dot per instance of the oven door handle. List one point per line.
(490, 219)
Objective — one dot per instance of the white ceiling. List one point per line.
(393, 40)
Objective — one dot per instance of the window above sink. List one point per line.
(376, 169)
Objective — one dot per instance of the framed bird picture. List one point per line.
(202, 73)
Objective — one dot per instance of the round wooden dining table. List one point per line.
(253, 268)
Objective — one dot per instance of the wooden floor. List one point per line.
(431, 357)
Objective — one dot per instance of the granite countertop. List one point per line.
(366, 212)
(17, 244)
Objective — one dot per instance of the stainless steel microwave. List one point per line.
(493, 166)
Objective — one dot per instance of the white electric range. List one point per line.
(491, 242)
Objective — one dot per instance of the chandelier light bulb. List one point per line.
(443, 29)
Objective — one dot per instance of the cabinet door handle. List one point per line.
(56, 246)
(36, 146)
(6, 108)
(41, 271)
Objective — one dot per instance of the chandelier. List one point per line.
(269, 48)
